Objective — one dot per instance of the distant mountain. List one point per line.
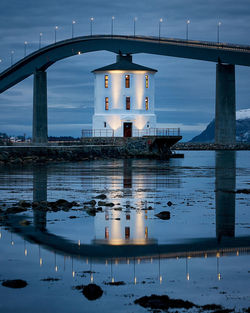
(242, 129)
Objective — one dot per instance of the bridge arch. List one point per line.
(37, 63)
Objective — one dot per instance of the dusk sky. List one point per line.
(185, 89)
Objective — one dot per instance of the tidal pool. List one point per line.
(200, 254)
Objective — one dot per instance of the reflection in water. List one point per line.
(39, 195)
(132, 227)
(225, 197)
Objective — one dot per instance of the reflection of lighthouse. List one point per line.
(125, 225)
(118, 227)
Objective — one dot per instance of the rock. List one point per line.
(245, 191)
(15, 283)
(50, 279)
(115, 283)
(91, 202)
(169, 203)
(15, 209)
(92, 292)
(149, 208)
(101, 196)
(72, 216)
(164, 215)
(163, 303)
(102, 203)
(24, 204)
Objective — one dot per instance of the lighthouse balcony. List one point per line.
(147, 132)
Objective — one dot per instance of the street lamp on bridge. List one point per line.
(218, 32)
(91, 25)
(40, 40)
(25, 48)
(11, 57)
(56, 28)
(160, 22)
(73, 24)
(112, 25)
(187, 23)
(135, 19)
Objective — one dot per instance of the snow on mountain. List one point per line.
(242, 129)
(243, 114)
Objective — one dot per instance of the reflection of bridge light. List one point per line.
(106, 262)
(56, 268)
(205, 256)
(41, 261)
(12, 243)
(79, 242)
(113, 279)
(91, 278)
(138, 261)
(25, 252)
(160, 279)
(217, 254)
(127, 261)
(135, 280)
(188, 277)
(237, 253)
(219, 276)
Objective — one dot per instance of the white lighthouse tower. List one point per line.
(124, 99)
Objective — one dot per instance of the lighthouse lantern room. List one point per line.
(124, 99)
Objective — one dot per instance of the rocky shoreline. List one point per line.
(209, 146)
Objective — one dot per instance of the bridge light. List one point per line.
(160, 22)
(73, 23)
(25, 48)
(11, 57)
(56, 28)
(112, 25)
(91, 25)
(187, 23)
(218, 32)
(40, 40)
(135, 19)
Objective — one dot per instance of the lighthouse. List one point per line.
(124, 99)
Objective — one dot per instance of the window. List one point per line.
(106, 103)
(127, 81)
(127, 232)
(127, 103)
(105, 124)
(146, 103)
(146, 81)
(106, 81)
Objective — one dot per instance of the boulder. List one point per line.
(15, 283)
(92, 292)
(164, 215)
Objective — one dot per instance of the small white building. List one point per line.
(124, 99)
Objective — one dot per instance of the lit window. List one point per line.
(127, 103)
(146, 103)
(106, 81)
(146, 81)
(127, 81)
(106, 103)
(127, 232)
(105, 124)
(106, 233)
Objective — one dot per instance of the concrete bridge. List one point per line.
(225, 55)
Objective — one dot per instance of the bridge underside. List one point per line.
(225, 107)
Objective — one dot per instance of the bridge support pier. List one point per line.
(40, 116)
(225, 109)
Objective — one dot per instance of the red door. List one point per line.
(127, 129)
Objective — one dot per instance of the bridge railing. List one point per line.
(158, 132)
